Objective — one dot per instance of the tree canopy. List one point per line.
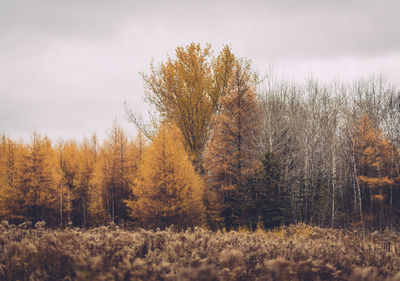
(186, 90)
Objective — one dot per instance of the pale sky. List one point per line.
(67, 66)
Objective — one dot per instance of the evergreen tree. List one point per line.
(231, 157)
(265, 201)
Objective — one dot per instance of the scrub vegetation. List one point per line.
(298, 252)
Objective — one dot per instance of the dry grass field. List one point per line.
(109, 253)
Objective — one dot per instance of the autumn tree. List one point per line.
(372, 156)
(136, 150)
(8, 150)
(167, 189)
(113, 176)
(86, 159)
(232, 156)
(37, 187)
(68, 159)
(186, 90)
(4, 183)
(96, 208)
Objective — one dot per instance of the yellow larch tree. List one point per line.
(97, 213)
(373, 161)
(8, 150)
(68, 159)
(37, 187)
(4, 183)
(86, 160)
(167, 189)
(113, 176)
(96, 208)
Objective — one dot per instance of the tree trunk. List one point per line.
(333, 185)
(61, 210)
(358, 188)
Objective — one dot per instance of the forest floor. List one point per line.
(298, 252)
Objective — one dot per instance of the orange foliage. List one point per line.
(376, 182)
(374, 151)
(113, 176)
(37, 186)
(374, 157)
(7, 175)
(378, 197)
(231, 157)
(167, 189)
(186, 90)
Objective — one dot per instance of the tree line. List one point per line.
(225, 148)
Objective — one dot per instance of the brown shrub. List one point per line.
(292, 253)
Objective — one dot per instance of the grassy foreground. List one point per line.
(291, 253)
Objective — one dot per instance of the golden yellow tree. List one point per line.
(86, 158)
(96, 211)
(167, 189)
(113, 176)
(231, 156)
(77, 163)
(135, 152)
(37, 187)
(186, 90)
(4, 184)
(373, 163)
(68, 158)
(8, 150)
(223, 66)
(96, 208)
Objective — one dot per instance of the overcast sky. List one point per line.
(66, 67)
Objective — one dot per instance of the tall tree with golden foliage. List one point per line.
(8, 150)
(167, 189)
(186, 90)
(373, 155)
(96, 207)
(4, 182)
(37, 188)
(231, 155)
(68, 158)
(114, 173)
(86, 160)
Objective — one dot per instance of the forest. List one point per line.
(226, 148)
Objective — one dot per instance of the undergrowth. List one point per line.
(298, 252)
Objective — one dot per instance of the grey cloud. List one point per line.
(65, 18)
(282, 28)
(319, 28)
